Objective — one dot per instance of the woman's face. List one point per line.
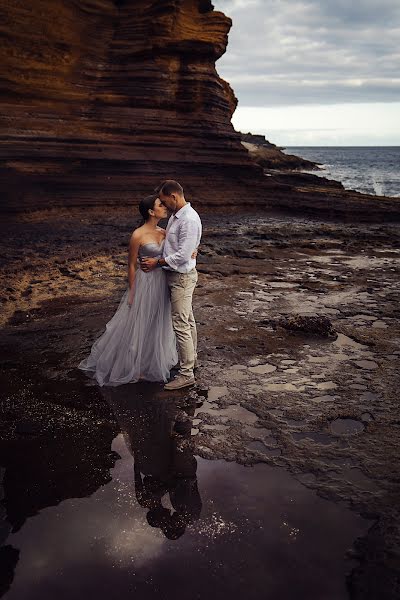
(159, 209)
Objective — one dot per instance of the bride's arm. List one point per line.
(132, 264)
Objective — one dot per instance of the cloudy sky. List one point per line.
(315, 72)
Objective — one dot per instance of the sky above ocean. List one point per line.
(315, 72)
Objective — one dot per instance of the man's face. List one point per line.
(168, 201)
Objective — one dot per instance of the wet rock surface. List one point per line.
(324, 409)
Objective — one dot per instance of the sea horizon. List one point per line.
(341, 146)
(371, 170)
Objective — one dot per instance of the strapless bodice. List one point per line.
(151, 249)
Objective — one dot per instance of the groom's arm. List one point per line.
(187, 240)
(148, 264)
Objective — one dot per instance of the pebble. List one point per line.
(369, 396)
(358, 386)
(254, 361)
(215, 427)
(364, 317)
(281, 387)
(366, 364)
(379, 325)
(319, 359)
(216, 392)
(367, 417)
(263, 369)
(326, 385)
(276, 412)
(237, 376)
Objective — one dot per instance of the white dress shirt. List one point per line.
(183, 237)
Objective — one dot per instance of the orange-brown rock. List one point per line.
(103, 98)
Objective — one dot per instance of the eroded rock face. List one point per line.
(104, 98)
(271, 157)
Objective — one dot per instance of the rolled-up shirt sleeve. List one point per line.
(187, 242)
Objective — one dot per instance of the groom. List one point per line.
(182, 237)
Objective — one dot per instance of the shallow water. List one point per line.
(346, 426)
(166, 524)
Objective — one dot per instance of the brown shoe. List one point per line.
(179, 382)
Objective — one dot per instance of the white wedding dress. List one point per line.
(139, 341)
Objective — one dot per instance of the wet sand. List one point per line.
(316, 415)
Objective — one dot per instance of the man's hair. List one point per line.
(170, 186)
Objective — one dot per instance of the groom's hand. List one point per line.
(148, 264)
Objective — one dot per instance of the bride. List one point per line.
(139, 341)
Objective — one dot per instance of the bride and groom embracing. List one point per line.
(154, 322)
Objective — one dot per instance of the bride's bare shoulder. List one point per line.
(137, 235)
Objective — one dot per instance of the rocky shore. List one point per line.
(270, 157)
(297, 302)
(104, 99)
(276, 385)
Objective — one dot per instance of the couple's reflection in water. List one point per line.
(156, 426)
(39, 473)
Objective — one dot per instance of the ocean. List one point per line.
(372, 170)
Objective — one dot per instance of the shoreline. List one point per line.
(254, 271)
(347, 165)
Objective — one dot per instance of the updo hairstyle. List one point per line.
(146, 205)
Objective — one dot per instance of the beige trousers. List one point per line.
(181, 286)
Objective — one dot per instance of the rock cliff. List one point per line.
(104, 98)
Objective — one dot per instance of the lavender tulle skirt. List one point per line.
(139, 341)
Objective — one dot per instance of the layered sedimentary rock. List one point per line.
(271, 157)
(256, 139)
(103, 98)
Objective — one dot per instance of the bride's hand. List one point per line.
(194, 253)
(148, 264)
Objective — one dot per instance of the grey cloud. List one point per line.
(312, 51)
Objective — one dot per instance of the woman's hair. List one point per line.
(147, 204)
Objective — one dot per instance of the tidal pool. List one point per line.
(167, 524)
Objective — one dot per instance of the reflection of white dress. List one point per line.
(139, 342)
